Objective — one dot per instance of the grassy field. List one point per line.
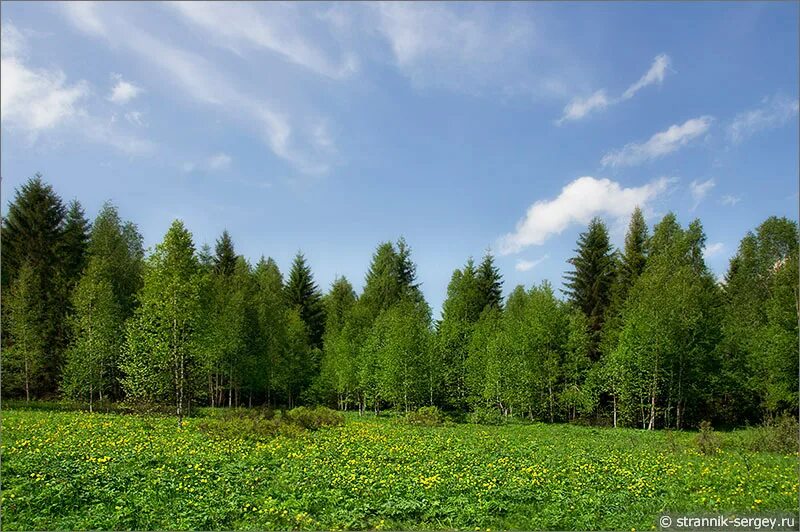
(73, 470)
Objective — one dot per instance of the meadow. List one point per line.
(76, 470)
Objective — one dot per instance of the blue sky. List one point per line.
(332, 127)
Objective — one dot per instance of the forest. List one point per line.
(643, 337)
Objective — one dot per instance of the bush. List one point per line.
(707, 440)
(777, 435)
(486, 416)
(314, 418)
(427, 416)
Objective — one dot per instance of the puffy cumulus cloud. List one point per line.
(34, 99)
(660, 144)
(578, 202)
(714, 249)
(123, 91)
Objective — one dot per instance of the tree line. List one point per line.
(644, 336)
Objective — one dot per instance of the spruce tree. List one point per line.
(33, 234)
(75, 241)
(304, 295)
(588, 286)
(224, 256)
(490, 282)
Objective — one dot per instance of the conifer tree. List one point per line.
(225, 256)
(75, 241)
(304, 295)
(490, 282)
(588, 285)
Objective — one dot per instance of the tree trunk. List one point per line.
(614, 398)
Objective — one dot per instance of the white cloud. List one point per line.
(773, 112)
(660, 144)
(34, 100)
(714, 249)
(219, 161)
(202, 82)
(38, 100)
(215, 163)
(269, 26)
(700, 190)
(653, 76)
(730, 200)
(580, 107)
(470, 48)
(526, 265)
(123, 91)
(578, 202)
(135, 118)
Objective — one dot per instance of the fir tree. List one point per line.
(588, 286)
(224, 256)
(75, 241)
(490, 282)
(304, 295)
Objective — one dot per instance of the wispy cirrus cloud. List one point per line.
(699, 190)
(215, 163)
(270, 26)
(579, 202)
(654, 76)
(730, 200)
(660, 144)
(527, 265)
(773, 112)
(580, 107)
(202, 82)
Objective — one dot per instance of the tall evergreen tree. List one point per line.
(33, 234)
(304, 295)
(490, 282)
(225, 256)
(75, 241)
(588, 285)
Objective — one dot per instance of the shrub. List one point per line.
(427, 416)
(314, 418)
(777, 435)
(486, 416)
(707, 440)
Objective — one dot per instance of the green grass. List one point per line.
(74, 470)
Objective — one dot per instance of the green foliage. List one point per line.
(162, 348)
(72, 470)
(486, 416)
(707, 440)
(302, 294)
(97, 329)
(26, 359)
(426, 416)
(589, 285)
(778, 435)
(314, 418)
